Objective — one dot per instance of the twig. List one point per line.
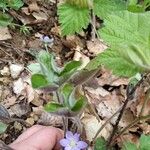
(132, 124)
(107, 121)
(129, 97)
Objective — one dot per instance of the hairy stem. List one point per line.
(65, 120)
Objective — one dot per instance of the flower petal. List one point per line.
(69, 135)
(82, 145)
(68, 148)
(64, 142)
(76, 137)
(75, 148)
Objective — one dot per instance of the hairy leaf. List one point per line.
(44, 58)
(136, 54)
(132, 2)
(53, 107)
(79, 105)
(38, 81)
(34, 68)
(72, 18)
(102, 8)
(70, 67)
(126, 27)
(120, 66)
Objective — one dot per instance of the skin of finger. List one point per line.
(45, 139)
(28, 133)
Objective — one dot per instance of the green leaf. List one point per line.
(44, 58)
(126, 27)
(3, 127)
(5, 20)
(132, 2)
(72, 18)
(79, 104)
(15, 4)
(129, 146)
(66, 91)
(53, 107)
(70, 67)
(144, 142)
(34, 68)
(136, 8)
(3, 5)
(136, 54)
(38, 81)
(100, 144)
(102, 8)
(121, 67)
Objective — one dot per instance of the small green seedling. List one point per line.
(7, 20)
(51, 78)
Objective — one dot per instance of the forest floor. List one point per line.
(105, 92)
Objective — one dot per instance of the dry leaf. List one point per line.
(96, 47)
(91, 126)
(15, 70)
(5, 35)
(18, 86)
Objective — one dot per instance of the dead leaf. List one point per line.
(40, 16)
(96, 47)
(15, 70)
(49, 119)
(18, 86)
(92, 125)
(5, 71)
(5, 35)
(33, 7)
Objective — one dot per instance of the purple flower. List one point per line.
(71, 142)
(47, 40)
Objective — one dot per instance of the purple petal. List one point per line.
(69, 135)
(76, 137)
(68, 148)
(64, 142)
(76, 148)
(82, 145)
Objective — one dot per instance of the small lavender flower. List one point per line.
(47, 40)
(71, 142)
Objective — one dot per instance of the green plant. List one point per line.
(51, 78)
(76, 15)
(144, 144)
(7, 20)
(127, 34)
